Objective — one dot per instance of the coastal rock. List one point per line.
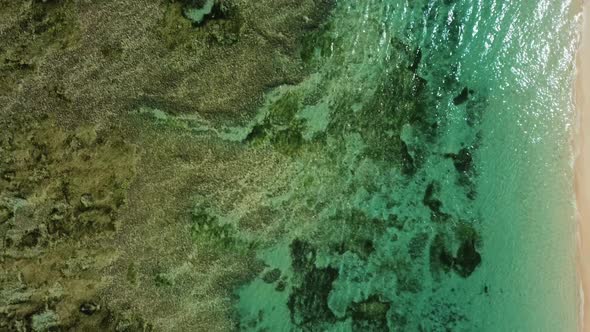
(271, 276)
(462, 97)
(433, 203)
(441, 258)
(308, 303)
(468, 258)
(89, 308)
(463, 160)
(370, 315)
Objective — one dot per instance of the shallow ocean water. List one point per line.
(432, 148)
(287, 165)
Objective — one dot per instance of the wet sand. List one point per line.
(582, 168)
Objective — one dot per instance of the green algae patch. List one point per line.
(376, 210)
(320, 43)
(280, 125)
(208, 229)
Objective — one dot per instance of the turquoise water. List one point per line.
(432, 188)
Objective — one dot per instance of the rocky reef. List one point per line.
(165, 166)
(375, 239)
(107, 57)
(116, 220)
(62, 192)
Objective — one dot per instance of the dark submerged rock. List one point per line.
(417, 245)
(407, 161)
(281, 285)
(302, 256)
(89, 308)
(31, 239)
(468, 259)
(463, 160)
(417, 60)
(308, 303)
(370, 315)
(433, 203)
(441, 258)
(271, 276)
(462, 97)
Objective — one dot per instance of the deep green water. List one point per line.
(433, 173)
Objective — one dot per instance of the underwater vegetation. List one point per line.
(374, 244)
(221, 165)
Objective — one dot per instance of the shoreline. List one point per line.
(582, 166)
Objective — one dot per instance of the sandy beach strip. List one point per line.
(582, 167)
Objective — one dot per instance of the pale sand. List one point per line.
(582, 167)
